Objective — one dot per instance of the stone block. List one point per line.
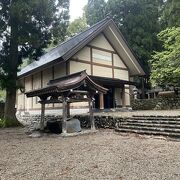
(73, 125)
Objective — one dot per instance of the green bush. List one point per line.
(1, 123)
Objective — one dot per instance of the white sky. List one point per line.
(76, 8)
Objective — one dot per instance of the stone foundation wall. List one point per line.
(100, 121)
(32, 121)
(143, 104)
(162, 103)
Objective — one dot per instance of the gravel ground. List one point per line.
(103, 155)
(174, 112)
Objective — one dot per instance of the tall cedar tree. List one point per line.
(171, 14)
(95, 11)
(138, 21)
(27, 27)
(77, 26)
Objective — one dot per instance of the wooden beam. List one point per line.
(112, 57)
(32, 99)
(91, 60)
(71, 100)
(98, 64)
(67, 67)
(24, 94)
(53, 79)
(101, 49)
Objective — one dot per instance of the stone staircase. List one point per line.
(151, 125)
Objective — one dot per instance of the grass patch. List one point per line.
(1, 123)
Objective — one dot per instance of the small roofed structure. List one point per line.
(76, 87)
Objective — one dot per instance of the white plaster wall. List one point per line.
(121, 74)
(20, 96)
(99, 55)
(59, 70)
(84, 54)
(118, 62)
(102, 71)
(36, 85)
(101, 41)
(47, 75)
(28, 87)
(78, 66)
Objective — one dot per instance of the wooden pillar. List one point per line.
(154, 94)
(42, 116)
(123, 97)
(101, 101)
(64, 125)
(91, 114)
(68, 110)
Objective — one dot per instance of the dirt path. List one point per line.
(104, 155)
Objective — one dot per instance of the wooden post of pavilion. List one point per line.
(64, 115)
(68, 109)
(42, 116)
(101, 100)
(91, 114)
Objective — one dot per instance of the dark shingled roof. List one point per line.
(66, 49)
(66, 83)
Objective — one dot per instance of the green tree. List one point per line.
(95, 11)
(166, 63)
(26, 29)
(170, 13)
(78, 25)
(138, 21)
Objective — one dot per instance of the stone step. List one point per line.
(145, 128)
(152, 121)
(176, 126)
(151, 116)
(155, 118)
(158, 133)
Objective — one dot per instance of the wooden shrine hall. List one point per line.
(77, 87)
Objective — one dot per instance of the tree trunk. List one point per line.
(12, 63)
(10, 110)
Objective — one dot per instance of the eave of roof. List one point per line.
(67, 83)
(106, 81)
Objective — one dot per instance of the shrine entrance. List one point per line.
(108, 99)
